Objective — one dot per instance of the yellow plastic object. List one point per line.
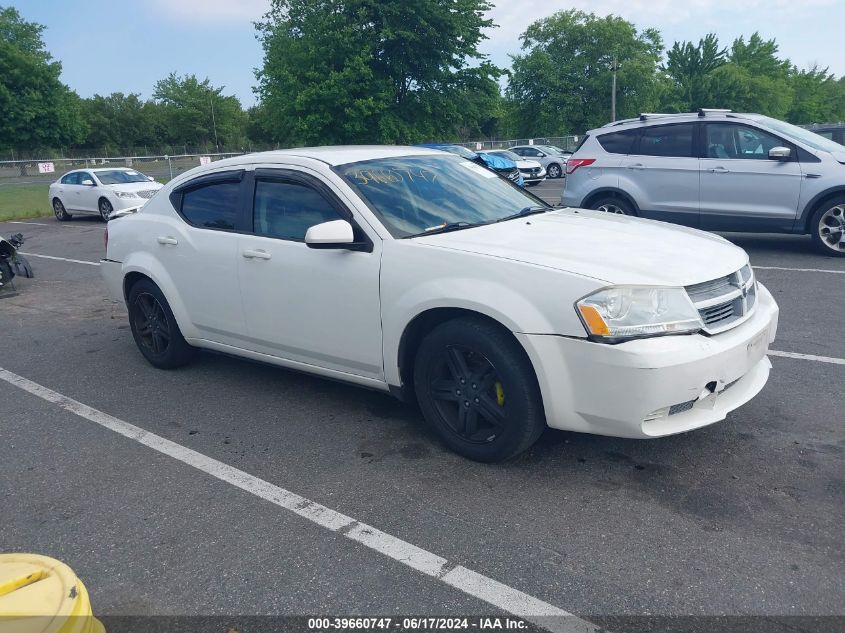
(39, 594)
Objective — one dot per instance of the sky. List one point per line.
(110, 46)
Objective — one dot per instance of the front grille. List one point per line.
(534, 171)
(675, 409)
(725, 302)
(146, 193)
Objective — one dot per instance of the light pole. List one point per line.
(614, 67)
(213, 122)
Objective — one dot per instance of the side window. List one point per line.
(85, 177)
(71, 179)
(667, 140)
(828, 134)
(618, 142)
(533, 153)
(214, 205)
(518, 151)
(729, 140)
(287, 210)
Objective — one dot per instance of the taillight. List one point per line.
(575, 163)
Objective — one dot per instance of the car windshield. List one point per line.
(414, 195)
(121, 176)
(800, 134)
(506, 154)
(459, 150)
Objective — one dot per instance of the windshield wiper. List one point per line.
(526, 211)
(446, 228)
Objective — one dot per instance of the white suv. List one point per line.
(419, 273)
(717, 171)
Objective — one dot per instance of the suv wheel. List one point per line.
(612, 204)
(554, 171)
(828, 227)
(477, 389)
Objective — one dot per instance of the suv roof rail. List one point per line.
(705, 111)
(652, 115)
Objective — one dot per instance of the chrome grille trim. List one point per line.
(146, 193)
(725, 302)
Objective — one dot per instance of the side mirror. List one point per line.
(88, 182)
(151, 179)
(334, 234)
(780, 153)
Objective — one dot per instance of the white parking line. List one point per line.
(62, 259)
(32, 223)
(491, 591)
(800, 270)
(818, 359)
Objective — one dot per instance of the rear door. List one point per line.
(662, 173)
(741, 187)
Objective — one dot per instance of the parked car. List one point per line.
(502, 166)
(832, 131)
(532, 171)
(418, 273)
(100, 191)
(550, 158)
(715, 170)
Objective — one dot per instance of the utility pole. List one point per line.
(213, 122)
(614, 67)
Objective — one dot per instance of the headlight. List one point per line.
(624, 312)
(126, 194)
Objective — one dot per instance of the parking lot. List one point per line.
(211, 490)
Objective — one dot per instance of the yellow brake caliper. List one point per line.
(500, 394)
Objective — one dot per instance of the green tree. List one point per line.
(118, 122)
(818, 96)
(196, 113)
(562, 82)
(691, 69)
(348, 71)
(37, 111)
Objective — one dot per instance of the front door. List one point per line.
(87, 194)
(741, 187)
(312, 306)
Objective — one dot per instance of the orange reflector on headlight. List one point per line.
(592, 318)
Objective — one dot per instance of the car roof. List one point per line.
(648, 119)
(337, 154)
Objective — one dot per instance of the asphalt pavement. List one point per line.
(742, 518)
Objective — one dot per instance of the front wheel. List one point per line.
(828, 228)
(614, 205)
(554, 171)
(59, 210)
(154, 327)
(477, 389)
(105, 209)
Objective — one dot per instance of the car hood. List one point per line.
(136, 186)
(615, 249)
(527, 164)
(497, 162)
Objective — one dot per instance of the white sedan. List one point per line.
(419, 273)
(100, 192)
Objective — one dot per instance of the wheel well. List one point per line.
(824, 200)
(417, 330)
(101, 198)
(610, 193)
(130, 280)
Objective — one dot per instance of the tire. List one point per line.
(613, 204)
(154, 327)
(828, 227)
(477, 389)
(554, 171)
(59, 210)
(105, 208)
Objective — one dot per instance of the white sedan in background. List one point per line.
(532, 172)
(100, 192)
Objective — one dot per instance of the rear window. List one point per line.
(214, 205)
(581, 142)
(618, 142)
(667, 140)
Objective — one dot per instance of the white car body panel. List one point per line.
(342, 314)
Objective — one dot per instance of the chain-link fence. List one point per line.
(564, 142)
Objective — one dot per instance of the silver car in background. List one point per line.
(551, 158)
(715, 170)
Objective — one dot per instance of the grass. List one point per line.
(19, 202)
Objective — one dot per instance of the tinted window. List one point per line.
(729, 140)
(618, 142)
(71, 179)
(287, 210)
(214, 205)
(531, 152)
(667, 140)
(85, 176)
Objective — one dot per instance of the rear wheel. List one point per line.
(554, 171)
(613, 204)
(828, 227)
(154, 327)
(477, 388)
(59, 210)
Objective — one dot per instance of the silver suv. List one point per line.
(714, 170)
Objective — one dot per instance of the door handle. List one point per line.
(719, 170)
(812, 175)
(167, 240)
(636, 166)
(257, 254)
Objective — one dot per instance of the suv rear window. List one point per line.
(618, 142)
(667, 140)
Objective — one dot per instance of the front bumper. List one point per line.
(653, 387)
